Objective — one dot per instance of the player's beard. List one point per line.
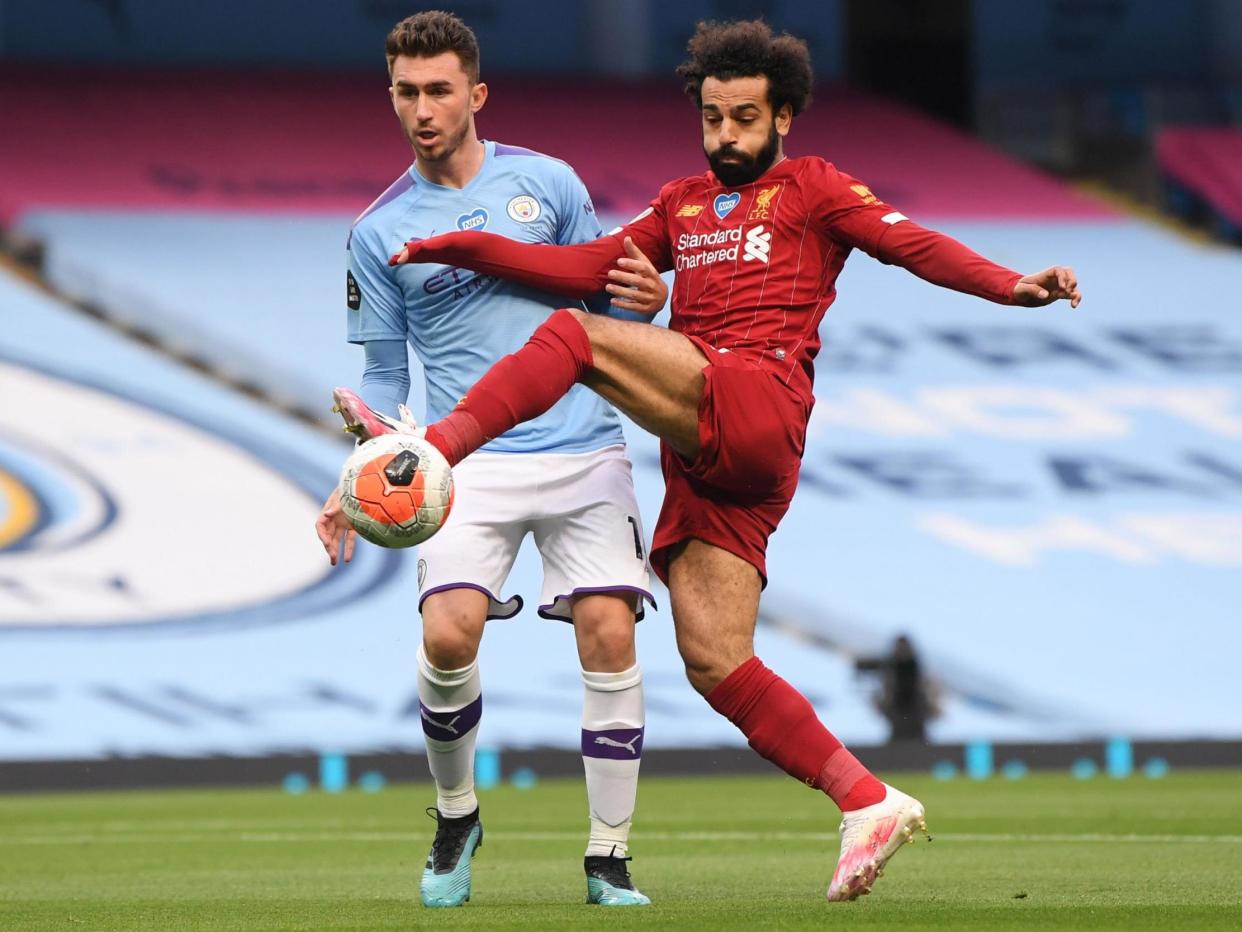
(450, 143)
(750, 167)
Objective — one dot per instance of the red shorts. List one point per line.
(752, 430)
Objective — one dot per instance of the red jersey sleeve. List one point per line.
(578, 271)
(649, 230)
(851, 214)
(575, 271)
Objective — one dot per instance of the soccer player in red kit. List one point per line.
(757, 244)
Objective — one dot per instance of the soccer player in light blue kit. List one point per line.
(563, 477)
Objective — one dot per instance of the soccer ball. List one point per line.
(396, 490)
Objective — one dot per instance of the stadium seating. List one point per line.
(233, 141)
(1204, 166)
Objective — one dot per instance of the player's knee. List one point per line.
(453, 623)
(449, 650)
(595, 325)
(450, 641)
(605, 636)
(704, 677)
(703, 664)
(708, 661)
(613, 647)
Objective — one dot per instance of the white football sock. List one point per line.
(612, 745)
(450, 705)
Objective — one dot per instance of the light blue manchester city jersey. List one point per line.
(460, 322)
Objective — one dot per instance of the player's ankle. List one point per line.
(866, 792)
(601, 849)
(458, 803)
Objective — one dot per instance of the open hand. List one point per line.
(635, 285)
(1052, 284)
(334, 529)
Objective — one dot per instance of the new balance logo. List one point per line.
(450, 727)
(628, 745)
(758, 245)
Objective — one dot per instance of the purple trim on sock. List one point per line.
(491, 616)
(394, 191)
(613, 743)
(545, 611)
(449, 726)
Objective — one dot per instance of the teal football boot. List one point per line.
(609, 884)
(446, 878)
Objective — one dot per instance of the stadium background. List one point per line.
(1048, 502)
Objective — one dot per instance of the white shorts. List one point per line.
(581, 509)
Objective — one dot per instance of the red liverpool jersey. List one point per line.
(756, 266)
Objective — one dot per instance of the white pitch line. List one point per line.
(639, 836)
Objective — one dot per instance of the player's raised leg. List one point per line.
(653, 375)
(715, 599)
(613, 724)
(450, 706)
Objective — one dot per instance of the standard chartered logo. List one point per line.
(699, 249)
(758, 245)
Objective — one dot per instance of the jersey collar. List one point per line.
(489, 153)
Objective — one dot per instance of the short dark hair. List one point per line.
(433, 32)
(747, 49)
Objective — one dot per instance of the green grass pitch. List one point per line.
(1047, 851)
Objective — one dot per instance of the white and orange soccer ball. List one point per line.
(396, 490)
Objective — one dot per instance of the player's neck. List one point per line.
(458, 170)
(780, 155)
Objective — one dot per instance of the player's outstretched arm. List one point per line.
(334, 529)
(944, 261)
(1058, 283)
(574, 271)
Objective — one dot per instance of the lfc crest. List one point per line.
(763, 203)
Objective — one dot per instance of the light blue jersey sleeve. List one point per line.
(377, 320)
(376, 303)
(385, 376)
(576, 214)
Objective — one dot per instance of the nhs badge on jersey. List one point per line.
(724, 204)
(524, 209)
(475, 220)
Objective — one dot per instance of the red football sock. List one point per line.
(781, 726)
(521, 386)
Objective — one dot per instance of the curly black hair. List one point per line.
(748, 49)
